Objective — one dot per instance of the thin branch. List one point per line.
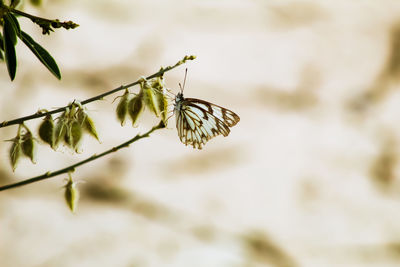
(32, 17)
(29, 16)
(40, 114)
(45, 24)
(48, 175)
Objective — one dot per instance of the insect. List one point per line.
(197, 121)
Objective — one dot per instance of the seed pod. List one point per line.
(73, 110)
(68, 135)
(90, 127)
(46, 131)
(149, 98)
(15, 152)
(29, 146)
(76, 134)
(136, 107)
(81, 116)
(87, 123)
(71, 194)
(122, 108)
(161, 101)
(61, 128)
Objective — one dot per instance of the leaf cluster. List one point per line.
(12, 32)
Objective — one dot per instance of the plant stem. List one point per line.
(29, 16)
(92, 158)
(98, 97)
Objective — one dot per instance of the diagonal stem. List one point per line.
(70, 168)
(95, 98)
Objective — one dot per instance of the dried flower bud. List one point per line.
(29, 146)
(71, 194)
(136, 107)
(68, 135)
(81, 115)
(61, 128)
(161, 101)
(149, 98)
(15, 151)
(90, 127)
(46, 131)
(191, 57)
(76, 134)
(75, 107)
(122, 108)
(87, 123)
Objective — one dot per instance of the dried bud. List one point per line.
(81, 116)
(75, 134)
(87, 123)
(61, 129)
(191, 57)
(90, 127)
(71, 194)
(136, 107)
(29, 146)
(15, 151)
(122, 108)
(149, 98)
(161, 101)
(46, 131)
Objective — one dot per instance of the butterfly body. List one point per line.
(197, 121)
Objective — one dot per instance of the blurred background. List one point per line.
(309, 177)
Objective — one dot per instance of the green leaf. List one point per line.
(9, 41)
(15, 23)
(14, 3)
(1, 42)
(41, 54)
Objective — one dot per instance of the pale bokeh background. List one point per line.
(309, 177)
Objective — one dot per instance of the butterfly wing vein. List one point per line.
(198, 121)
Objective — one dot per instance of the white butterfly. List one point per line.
(197, 121)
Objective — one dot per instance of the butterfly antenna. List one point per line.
(184, 82)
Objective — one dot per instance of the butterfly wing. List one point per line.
(198, 121)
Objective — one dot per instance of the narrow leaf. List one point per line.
(1, 42)
(41, 54)
(15, 24)
(14, 3)
(9, 41)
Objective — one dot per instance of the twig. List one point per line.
(32, 17)
(48, 175)
(45, 24)
(98, 97)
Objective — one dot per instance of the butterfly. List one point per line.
(197, 121)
